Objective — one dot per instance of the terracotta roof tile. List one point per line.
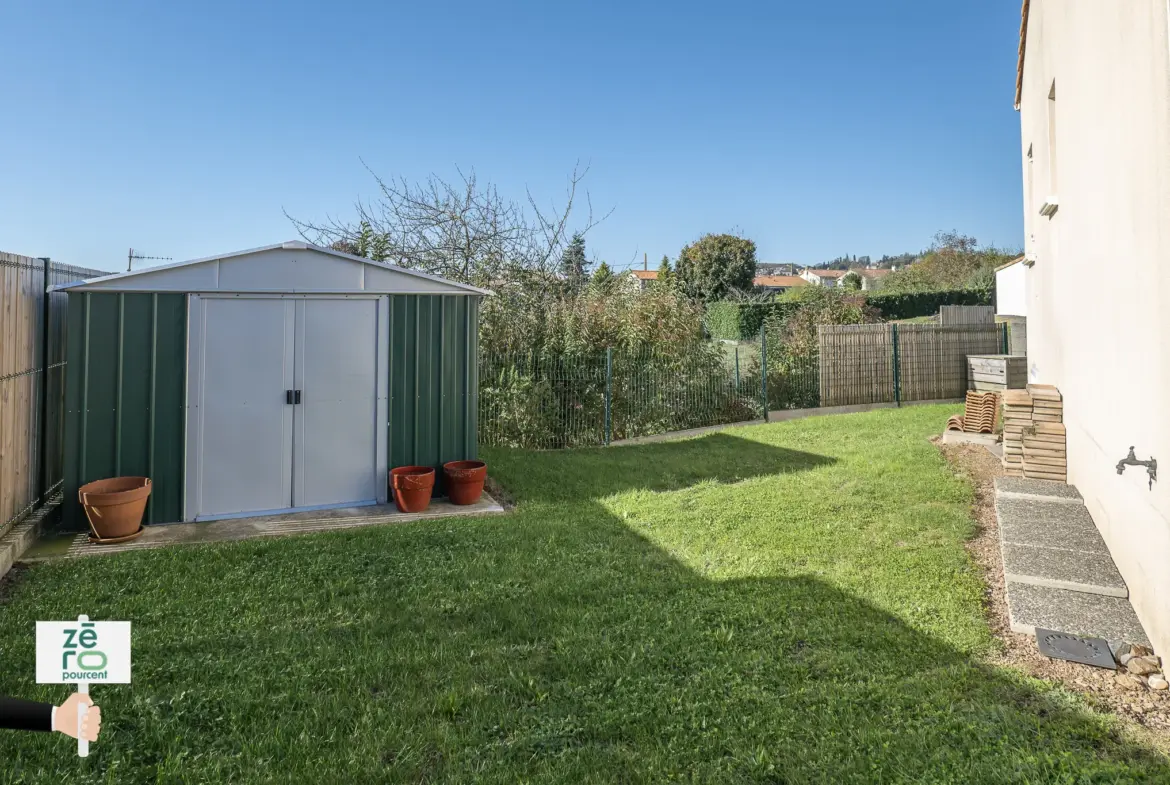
(779, 280)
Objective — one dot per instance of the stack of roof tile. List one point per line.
(979, 414)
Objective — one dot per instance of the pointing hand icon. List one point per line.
(65, 718)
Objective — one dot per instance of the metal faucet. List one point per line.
(1131, 460)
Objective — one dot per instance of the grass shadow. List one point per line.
(657, 466)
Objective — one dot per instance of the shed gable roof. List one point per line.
(293, 267)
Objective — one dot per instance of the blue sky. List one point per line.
(816, 129)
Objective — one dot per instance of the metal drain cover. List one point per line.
(1062, 646)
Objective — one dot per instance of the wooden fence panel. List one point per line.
(961, 315)
(856, 364)
(30, 414)
(933, 359)
(857, 361)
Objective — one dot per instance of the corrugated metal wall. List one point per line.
(434, 385)
(126, 390)
(125, 396)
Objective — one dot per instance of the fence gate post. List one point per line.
(737, 369)
(608, 393)
(764, 371)
(43, 415)
(897, 365)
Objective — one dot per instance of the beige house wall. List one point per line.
(1099, 292)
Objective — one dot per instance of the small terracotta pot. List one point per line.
(115, 507)
(412, 486)
(465, 481)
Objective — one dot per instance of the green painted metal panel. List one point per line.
(433, 391)
(125, 396)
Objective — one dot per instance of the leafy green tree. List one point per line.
(364, 239)
(379, 248)
(603, 279)
(954, 261)
(851, 281)
(574, 265)
(716, 265)
(665, 277)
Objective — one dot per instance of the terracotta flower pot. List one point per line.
(114, 507)
(412, 486)
(465, 481)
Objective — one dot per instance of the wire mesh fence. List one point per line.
(549, 401)
(543, 401)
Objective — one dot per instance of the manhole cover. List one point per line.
(1062, 646)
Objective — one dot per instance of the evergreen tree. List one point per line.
(603, 279)
(665, 277)
(574, 265)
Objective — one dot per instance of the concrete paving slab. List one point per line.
(1049, 490)
(1058, 568)
(1076, 612)
(960, 437)
(235, 529)
(1048, 524)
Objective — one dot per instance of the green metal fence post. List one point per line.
(764, 371)
(897, 369)
(608, 393)
(1003, 329)
(737, 369)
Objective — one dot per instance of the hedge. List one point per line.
(912, 304)
(742, 321)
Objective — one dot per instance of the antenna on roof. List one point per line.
(130, 257)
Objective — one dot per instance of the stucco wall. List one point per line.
(1098, 301)
(1011, 291)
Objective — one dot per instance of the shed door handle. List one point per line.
(297, 396)
(288, 397)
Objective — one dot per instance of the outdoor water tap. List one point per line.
(1131, 460)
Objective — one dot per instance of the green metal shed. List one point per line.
(276, 379)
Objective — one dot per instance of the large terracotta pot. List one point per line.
(412, 486)
(465, 481)
(115, 507)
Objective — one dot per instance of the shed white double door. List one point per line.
(287, 393)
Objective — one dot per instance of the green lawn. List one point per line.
(782, 604)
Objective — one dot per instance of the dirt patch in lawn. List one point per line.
(1145, 709)
(9, 580)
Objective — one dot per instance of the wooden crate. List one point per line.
(996, 372)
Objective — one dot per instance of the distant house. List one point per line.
(1011, 292)
(778, 284)
(641, 279)
(871, 278)
(827, 278)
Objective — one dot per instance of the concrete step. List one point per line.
(1048, 524)
(1049, 542)
(1058, 568)
(1043, 490)
(1074, 612)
